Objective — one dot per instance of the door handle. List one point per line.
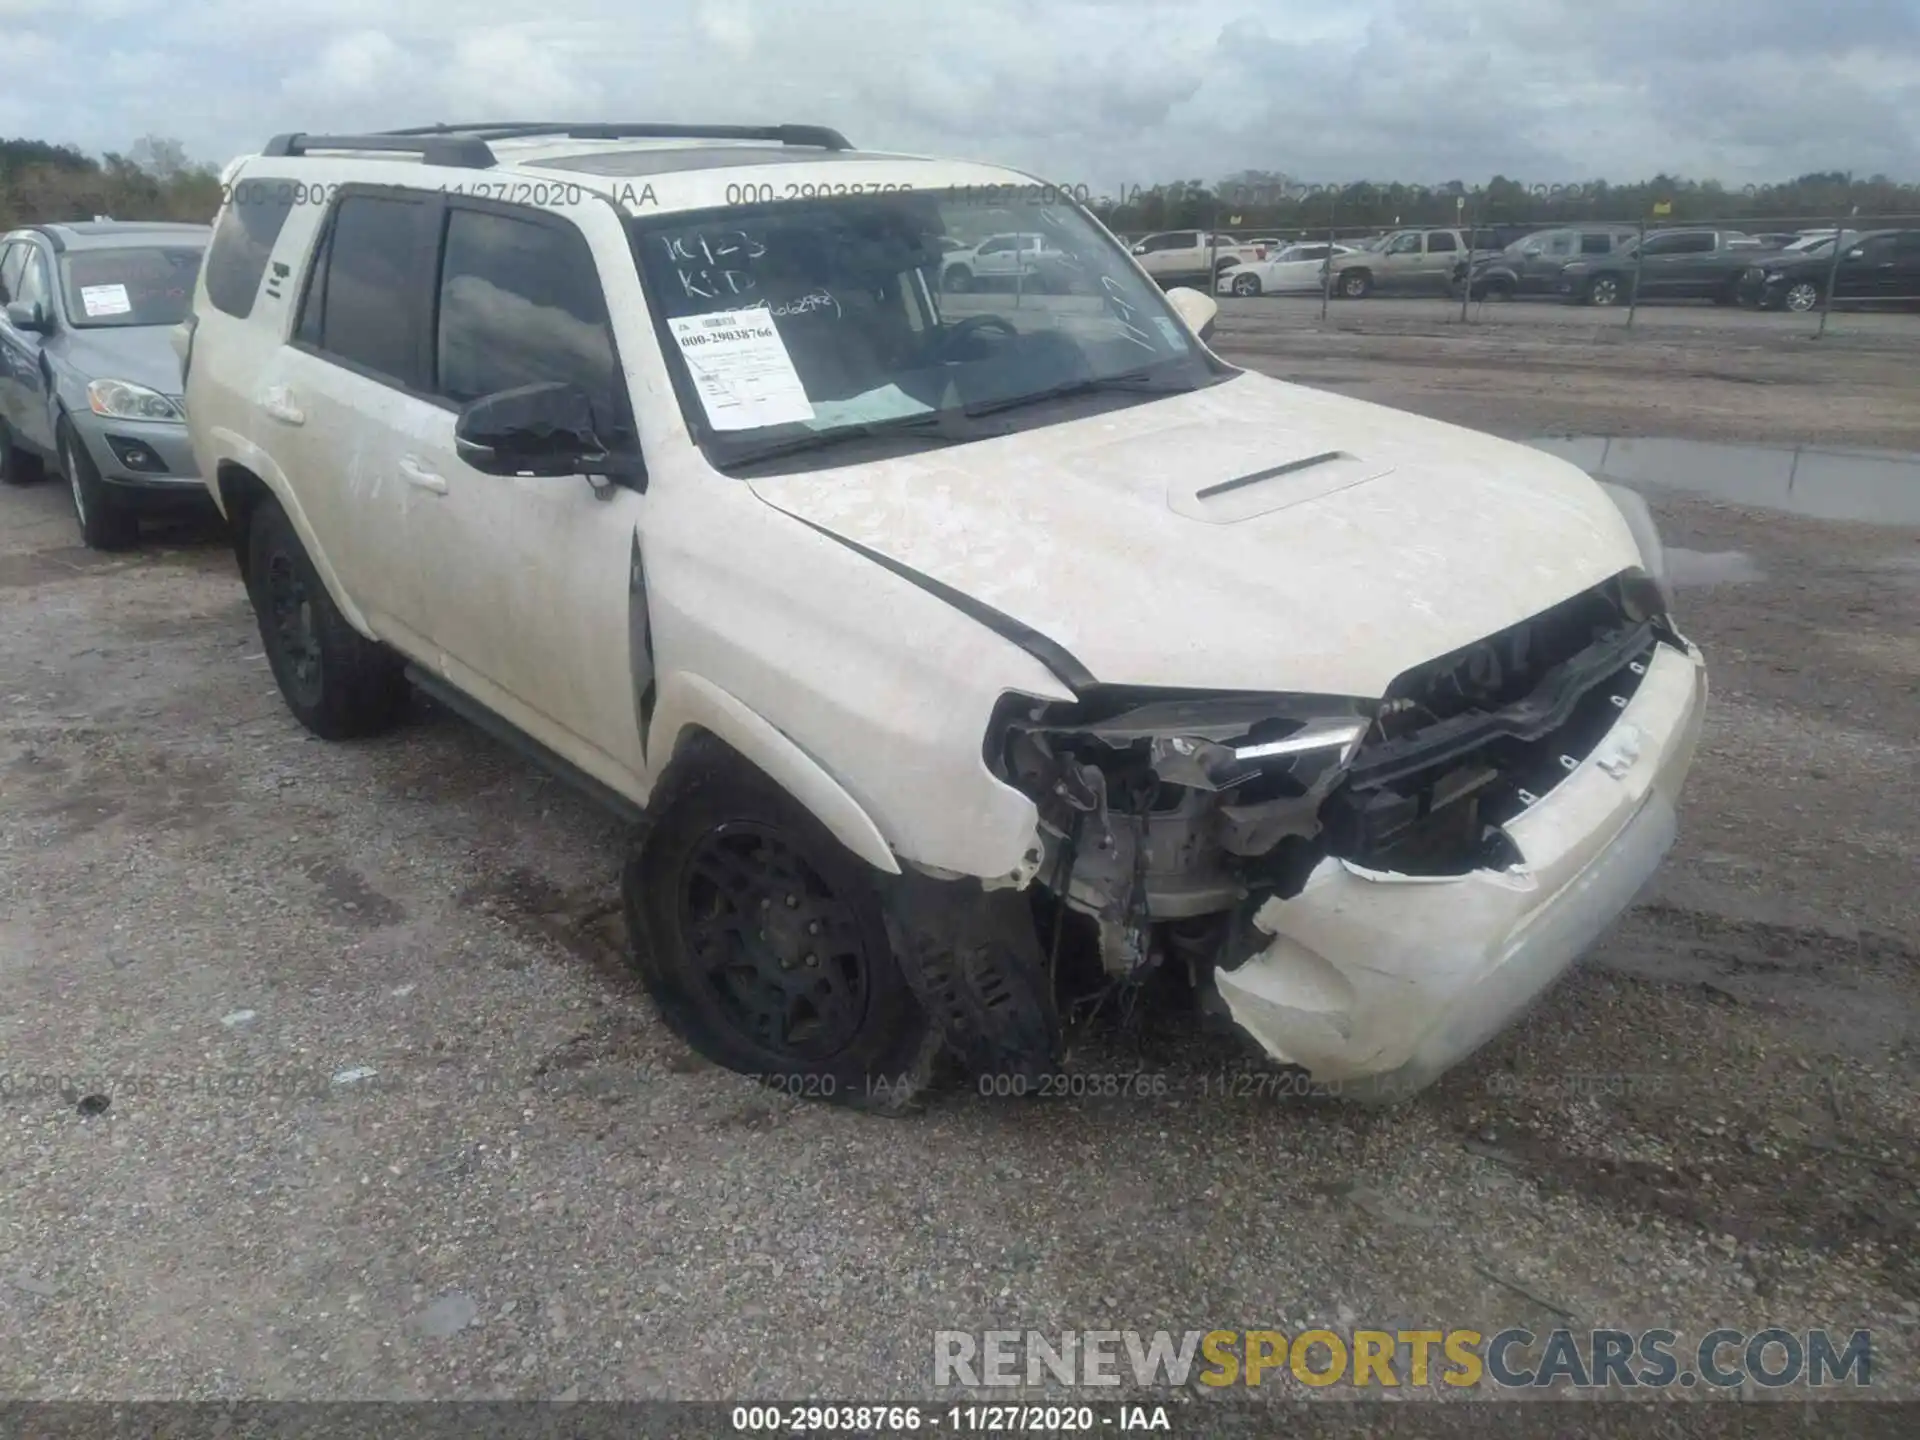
(417, 474)
(278, 403)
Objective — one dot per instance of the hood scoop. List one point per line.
(1273, 487)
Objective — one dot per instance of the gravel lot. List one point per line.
(424, 1137)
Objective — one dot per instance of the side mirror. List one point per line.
(1196, 309)
(1851, 255)
(27, 315)
(543, 429)
(1140, 249)
(1531, 251)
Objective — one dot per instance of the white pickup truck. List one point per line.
(1174, 257)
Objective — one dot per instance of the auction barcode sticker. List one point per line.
(741, 369)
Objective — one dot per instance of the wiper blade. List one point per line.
(1142, 382)
(941, 426)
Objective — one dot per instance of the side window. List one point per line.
(1441, 241)
(11, 260)
(520, 303)
(1560, 243)
(243, 240)
(1696, 242)
(1906, 246)
(1182, 240)
(35, 285)
(363, 302)
(1408, 244)
(1592, 243)
(996, 246)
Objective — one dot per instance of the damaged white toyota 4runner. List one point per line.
(927, 637)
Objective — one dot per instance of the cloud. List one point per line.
(1097, 92)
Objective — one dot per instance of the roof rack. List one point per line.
(465, 146)
(817, 136)
(463, 152)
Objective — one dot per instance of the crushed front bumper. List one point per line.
(1377, 983)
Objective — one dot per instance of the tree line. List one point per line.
(154, 180)
(1255, 200)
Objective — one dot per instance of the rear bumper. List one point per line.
(1379, 983)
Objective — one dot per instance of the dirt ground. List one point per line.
(388, 1117)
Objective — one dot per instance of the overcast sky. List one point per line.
(1097, 92)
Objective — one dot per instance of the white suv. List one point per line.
(947, 650)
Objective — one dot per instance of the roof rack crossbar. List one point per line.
(816, 136)
(465, 152)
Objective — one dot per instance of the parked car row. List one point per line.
(738, 517)
(1602, 265)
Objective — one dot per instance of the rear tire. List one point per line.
(764, 942)
(105, 522)
(17, 466)
(337, 683)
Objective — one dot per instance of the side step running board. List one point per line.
(516, 739)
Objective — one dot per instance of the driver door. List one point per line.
(533, 582)
(996, 259)
(1399, 265)
(25, 394)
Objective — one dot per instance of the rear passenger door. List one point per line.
(1671, 265)
(349, 384)
(535, 601)
(1443, 251)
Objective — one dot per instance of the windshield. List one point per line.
(1816, 244)
(136, 285)
(829, 319)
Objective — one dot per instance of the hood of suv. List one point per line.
(1254, 535)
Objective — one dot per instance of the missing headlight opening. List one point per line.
(1166, 820)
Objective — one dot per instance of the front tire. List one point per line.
(105, 522)
(957, 280)
(337, 683)
(764, 942)
(1356, 284)
(1802, 296)
(1606, 290)
(1246, 284)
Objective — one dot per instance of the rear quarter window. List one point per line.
(250, 225)
(365, 302)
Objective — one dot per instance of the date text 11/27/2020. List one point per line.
(1224, 1085)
